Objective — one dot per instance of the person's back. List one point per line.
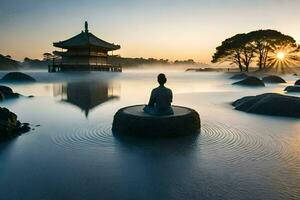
(160, 99)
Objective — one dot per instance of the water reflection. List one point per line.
(86, 95)
(158, 146)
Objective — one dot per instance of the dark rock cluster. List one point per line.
(7, 93)
(270, 104)
(10, 126)
(293, 88)
(17, 77)
(250, 81)
(273, 79)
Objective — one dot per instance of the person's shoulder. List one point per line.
(155, 89)
(168, 89)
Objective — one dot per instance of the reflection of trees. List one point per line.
(85, 95)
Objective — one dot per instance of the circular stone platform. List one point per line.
(133, 120)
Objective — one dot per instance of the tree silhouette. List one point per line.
(261, 45)
(47, 56)
(266, 42)
(236, 50)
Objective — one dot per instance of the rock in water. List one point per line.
(239, 76)
(251, 81)
(7, 93)
(17, 77)
(133, 121)
(5, 89)
(273, 79)
(270, 104)
(297, 82)
(10, 126)
(292, 88)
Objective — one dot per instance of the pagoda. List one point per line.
(83, 52)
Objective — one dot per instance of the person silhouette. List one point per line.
(160, 99)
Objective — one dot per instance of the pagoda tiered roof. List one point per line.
(86, 39)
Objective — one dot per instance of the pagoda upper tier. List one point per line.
(86, 39)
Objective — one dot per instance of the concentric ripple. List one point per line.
(83, 137)
(243, 144)
(217, 139)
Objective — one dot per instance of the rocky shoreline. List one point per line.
(10, 126)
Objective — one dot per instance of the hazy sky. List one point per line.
(173, 29)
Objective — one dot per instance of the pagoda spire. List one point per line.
(86, 25)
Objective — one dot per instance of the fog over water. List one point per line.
(74, 155)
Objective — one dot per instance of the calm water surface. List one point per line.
(74, 155)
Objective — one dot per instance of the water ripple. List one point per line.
(83, 137)
(234, 145)
(244, 144)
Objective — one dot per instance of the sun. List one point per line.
(280, 56)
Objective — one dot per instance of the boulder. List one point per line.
(250, 81)
(134, 121)
(297, 82)
(273, 79)
(292, 88)
(17, 77)
(270, 104)
(5, 89)
(10, 126)
(7, 93)
(239, 76)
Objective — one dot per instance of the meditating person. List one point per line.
(160, 99)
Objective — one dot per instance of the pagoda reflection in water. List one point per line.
(86, 95)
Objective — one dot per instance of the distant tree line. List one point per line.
(132, 62)
(185, 62)
(6, 63)
(260, 47)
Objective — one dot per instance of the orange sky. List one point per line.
(159, 29)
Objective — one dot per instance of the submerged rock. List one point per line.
(251, 81)
(292, 88)
(17, 77)
(270, 104)
(239, 76)
(273, 79)
(10, 126)
(134, 121)
(7, 93)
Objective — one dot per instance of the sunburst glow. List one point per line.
(280, 56)
(284, 59)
